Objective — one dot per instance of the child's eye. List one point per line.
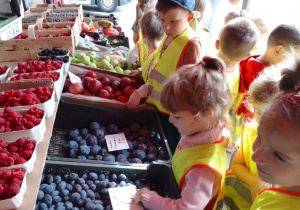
(176, 117)
(279, 157)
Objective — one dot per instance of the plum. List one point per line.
(98, 197)
(121, 158)
(77, 188)
(61, 186)
(57, 179)
(122, 177)
(92, 187)
(152, 149)
(126, 152)
(92, 140)
(130, 144)
(134, 144)
(109, 157)
(104, 192)
(94, 126)
(112, 128)
(42, 206)
(135, 160)
(143, 133)
(111, 184)
(141, 140)
(142, 147)
(73, 153)
(113, 177)
(68, 205)
(89, 206)
(93, 176)
(48, 179)
(64, 193)
(55, 193)
(87, 136)
(40, 195)
(82, 142)
(82, 157)
(73, 176)
(78, 138)
(130, 138)
(122, 183)
(90, 157)
(90, 194)
(49, 189)
(47, 199)
(95, 149)
(83, 194)
(73, 145)
(75, 197)
(84, 150)
(84, 187)
(98, 157)
(102, 127)
(79, 203)
(103, 151)
(73, 132)
(150, 157)
(98, 206)
(99, 133)
(56, 199)
(69, 187)
(134, 127)
(102, 184)
(101, 177)
(149, 144)
(102, 142)
(84, 132)
(127, 131)
(80, 181)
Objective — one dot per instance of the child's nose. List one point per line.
(258, 156)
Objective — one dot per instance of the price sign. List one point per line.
(74, 78)
(116, 142)
(121, 197)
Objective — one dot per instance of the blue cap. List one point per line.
(187, 4)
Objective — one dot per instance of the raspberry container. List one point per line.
(82, 115)
(48, 106)
(36, 133)
(3, 76)
(17, 200)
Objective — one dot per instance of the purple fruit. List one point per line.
(103, 151)
(57, 179)
(94, 126)
(73, 132)
(48, 179)
(101, 177)
(141, 140)
(73, 176)
(143, 133)
(40, 195)
(92, 140)
(102, 142)
(92, 187)
(93, 176)
(89, 206)
(142, 146)
(113, 177)
(112, 128)
(122, 177)
(84, 132)
(150, 157)
(84, 150)
(152, 149)
(129, 138)
(126, 152)
(83, 194)
(73, 145)
(79, 203)
(102, 184)
(68, 205)
(78, 138)
(87, 136)
(98, 157)
(130, 144)
(121, 158)
(95, 150)
(77, 188)
(83, 142)
(61, 186)
(127, 131)
(135, 160)
(82, 157)
(90, 157)
(109, 157)
(149, 144)
(134, 144)
(122, 183)
(55, 193)
(80, 181)
(99, 133)
(111, 185)
(103, 128)
(134, 127)
(85, 187)
(49, 189)
(90, 194)
(64, 193)
(56, 199)
(104, 192)
(47, 199)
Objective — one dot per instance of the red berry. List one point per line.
(32, 110)
(9, 161)
(1, 189)
(5, 174)
(29, 147)
(13, 189)
(18, 173)
(15, 156)
(13, 148)
(21, 142)
(20, 160)
(17, 181)
(26, 154)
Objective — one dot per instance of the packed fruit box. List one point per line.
(87, 186)
(80, 136)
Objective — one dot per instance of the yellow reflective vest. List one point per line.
(237, 194)
(276, 198)
(207, 155)
(147, 62)
(143, 50)
(166, 65)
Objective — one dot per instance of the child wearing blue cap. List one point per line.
(180, 46)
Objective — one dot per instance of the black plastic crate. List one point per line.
(159, 174)
(71, 115)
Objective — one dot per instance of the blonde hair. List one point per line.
(199, 88)
(151, 25)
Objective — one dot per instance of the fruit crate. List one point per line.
(10, 26)
(123, 41)
(81, 116)
(157, 176)
(26, 49)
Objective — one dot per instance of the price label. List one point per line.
(116, 142)
(74, 78)
(121, 197)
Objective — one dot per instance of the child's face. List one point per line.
(185, 122)
(277, 150)
(174, 21)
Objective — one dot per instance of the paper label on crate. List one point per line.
(116, 142)
(121, 197)
(74, 78)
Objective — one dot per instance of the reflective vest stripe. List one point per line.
(147, 63)
(241, 189)
(230, 204)
(155, 95)
(158, 77)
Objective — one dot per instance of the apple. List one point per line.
(104, 94)
(112, 96)
(114, 62)
(125, 81)
(122, 98)
(87, 93)
(102, 63)
(115, 84)
(128, 90)
(67, 84)
(105, 57)
(127, 71)
(119, 69)
(94, 86)
(76, 88)
(105, 81)
(85, 81)
(108, 89)
(118, 93)
(92, 65)
(134, 83)
(91, 74)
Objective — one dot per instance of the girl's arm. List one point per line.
(199, 187)
(244, 175)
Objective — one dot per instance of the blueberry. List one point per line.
(84, 132)
(84, 150)
(98, 157)
(73, 132)
(92, 140)
(94, 126)
(40, 195)
(61, 186)
(99, 133)
(109, 157)
(47, 199)
(112, 128)
(73, 145)
(49, 189)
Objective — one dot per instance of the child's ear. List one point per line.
(278, 49)
(191, 16)
(217, 44)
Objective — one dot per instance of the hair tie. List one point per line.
(197, 14)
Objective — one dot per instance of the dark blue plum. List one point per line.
(66, 177)
(42, 206)
(73, 132)
(82, 157)
(95, 149)
(98, 157)
(90, 194)
(68, 205)
(140, 154)
(135, 160)
(69, 187)
(142, 146)
(98, 206)
(65, 199)
(111, 185)
(104, 192)
(49, 189)
(122, 177)
(84, 150)
(57, 179)
(84, 187)
(64, 193)
(80, 203)
(92, 187)
(77, 188)
(90, 157)
(102, 127)
(130, 144)
(127, 131)
(109, 157)
(61, 186)
(82, 142)
(56, 199)
(112, 128)
(150, 157)
(113, 177)
(73, 145)
(97, 196)
(84, 132)
(103, 151)
(141, 140)
(73, 153)
(102, 184)
(48, 179)
(40, 195)
(55, 193)
(121, 158)
(89, 206)
(93, 176)
(122, 183)
(134, 127)
(152, 149)
(83, 194)
(78, 139)
(47, 199)
(99, 133)
(94, 126)
(73, 176)
(92, 140)
(80, 181)
(101, 177)
(74, 197)
(102, 142)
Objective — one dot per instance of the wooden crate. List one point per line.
(27, 49)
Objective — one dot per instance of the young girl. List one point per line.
(276, 148)
(197, 98)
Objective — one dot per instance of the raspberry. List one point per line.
(21, 142)
(13, 189)
(18, 173)
(26, 154)
(13, 148)
(32, 110)
(20, 160)
(29, 147)
(29, 125)
(1, 189)
(3, 156)
(15, 156)
(2, 143)
(17, 181)
(9, 161)
(5, 174)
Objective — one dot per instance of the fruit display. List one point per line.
(105, 23)
(37, 66)
(10, 182)
(39, 75)
(16, 152)
(3, 69)
(25, 35)
(104, 62)
(54, 54)
(15, 120)
(30, 96)
(103, 87)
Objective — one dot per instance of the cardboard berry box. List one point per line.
(3, 76)
(47, 106)
(16, 201)
(36, 133)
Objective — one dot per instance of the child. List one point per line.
(179, 47)
(236, 40)
(276, 149)
(242, 181)
(280, 41)
(152, 35)
(197, 98)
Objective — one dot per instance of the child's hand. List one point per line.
(135, 72)
(133, 100)
(138, 197)
(255, 187)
